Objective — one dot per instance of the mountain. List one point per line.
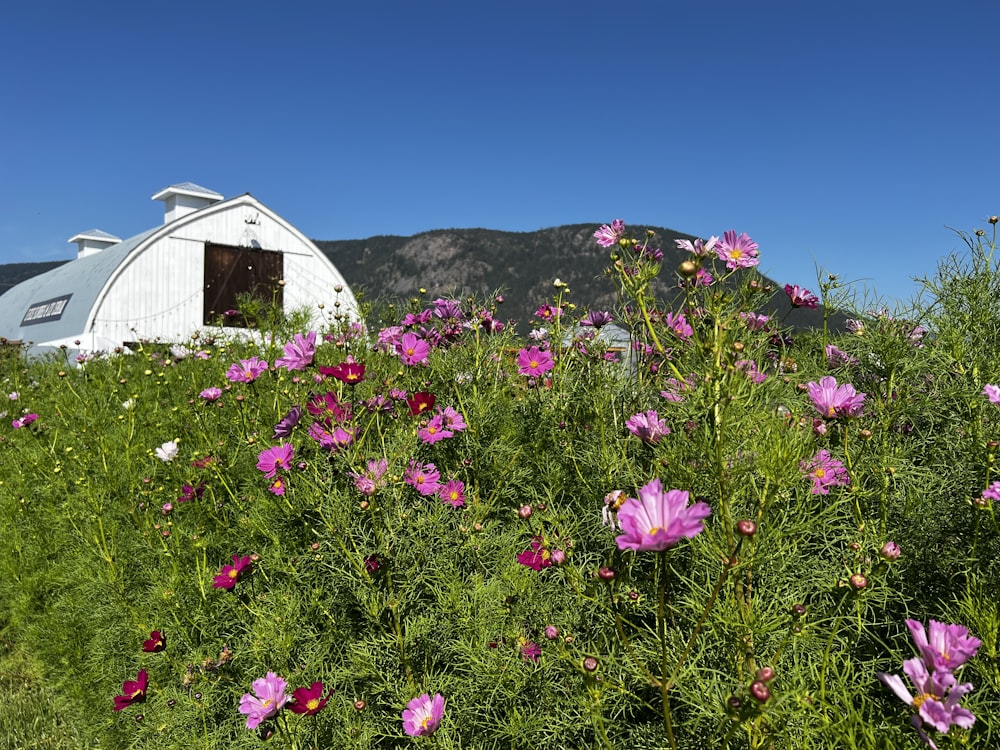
(460, 262)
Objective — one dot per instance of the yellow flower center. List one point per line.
(312, 704)
(819, 473)
(533, 364)
(655, 530)
(454, 496)
(234, 573)
(919, 700)
(409, 352)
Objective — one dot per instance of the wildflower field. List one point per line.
(431, 529)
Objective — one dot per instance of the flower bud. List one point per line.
(557, 556)
(799, 610)
(525, 511)
(734, 703)
(590, 663)
(890, 551)
(360, 705)
(688, 268)
(765, 674)
(760, 691)
(994, 219)
(606, 574)
(551, 632)
(746, 527)
(858, 581)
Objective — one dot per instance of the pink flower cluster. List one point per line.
(942, 651)
(825, 472)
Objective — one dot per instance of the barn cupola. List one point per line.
(93, 241)
(185, 198)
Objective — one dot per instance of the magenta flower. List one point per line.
(277, 486)
(434, 431)
(755, 321)
(992, 392)
(267, 699)
(837, 358)
(749, 368)
(308, 701)
(299, 352)
(246, 370)
(412, 349)
(737, 252)
(936, 701)
(679, 325)
(423, 477)
(420, 402)
(423, 715)
(155, 643)
(531, 651)
(328, 406)
(992, 492)
(452, 493)
(800, 297)
(349, 372)
(133, 691)
(191, 492)
(452, 419)
(272, 460)
(537, 556)
(534, 362)
(24, 421)
(607, 236)
(596, 319)
(230, 574)
(647, 426)
(835, 401)
(368, 482)
(211, 394)
(658, 520)
(825, 472)
(947, 647)
(548, 312)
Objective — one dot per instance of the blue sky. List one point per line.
(848, 135)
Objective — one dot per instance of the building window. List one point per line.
(236, 276)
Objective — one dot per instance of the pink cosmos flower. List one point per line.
(658, 520)
(299, 352)
(434, 431)
(328, 406)
(534, 362)
(370, 481)
(133, 691)
(230, 574)
(596, 319)
(750, 369)
(825, 472)
(800, 297)
(453, 420)
(277, 486)
(537, 556)
(329, 437)
(308, 701)
(647, 426)
(24, 421)
(835, 401)
(423, 477)
(936, 702)
(992, 492)
(423, 715)
(992, 392)
(676, 389)
(412, 349)
(548, 312)
(607, 236)
(947, 647)
(837, 358)
(755, 321)
(452, 493)
(267, 699)
(211, 394)
(699, 248)
(737, 252)
(531, 651)
(272, 460)
(246, 370)
(679, 325)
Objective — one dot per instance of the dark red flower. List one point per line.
(308, 701)
(328, 406)
(156, 643)
(422, 401)
(133, 691)
(230, 574)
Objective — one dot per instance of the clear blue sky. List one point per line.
(846, 134)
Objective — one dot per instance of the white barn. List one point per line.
(175, 279)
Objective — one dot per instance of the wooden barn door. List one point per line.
(233, 271)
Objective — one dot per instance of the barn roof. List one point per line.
(77, 283)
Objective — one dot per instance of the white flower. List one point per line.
(167, 452)
(13, 395)
(129, 404)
